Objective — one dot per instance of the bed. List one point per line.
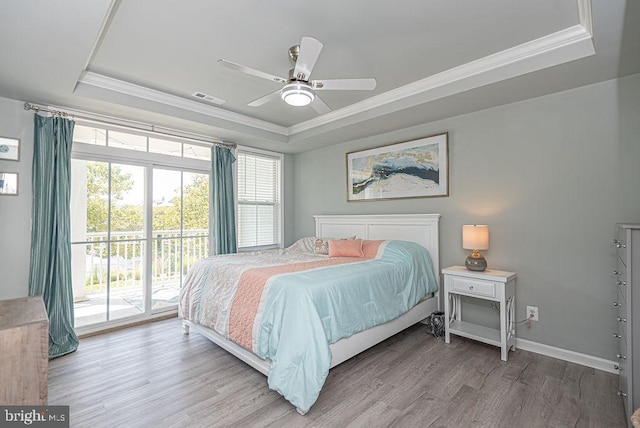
(385, 237)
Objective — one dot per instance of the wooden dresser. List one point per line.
(627, 279)
(24, 351)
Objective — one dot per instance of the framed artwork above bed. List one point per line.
(411, 169)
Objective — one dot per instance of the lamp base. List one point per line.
(476, 262)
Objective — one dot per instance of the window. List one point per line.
(139, 220)
(259, 199)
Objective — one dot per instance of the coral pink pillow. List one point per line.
(346, 248)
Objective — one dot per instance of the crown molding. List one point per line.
(565, 45)
(115, 85)
(584, 15)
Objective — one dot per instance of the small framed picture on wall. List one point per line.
(10, 149)
(8, 184)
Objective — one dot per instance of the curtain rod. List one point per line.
(37, 109)
(137, 125)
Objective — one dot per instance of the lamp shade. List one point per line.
(475, 237)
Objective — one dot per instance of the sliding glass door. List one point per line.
(136, 229)
(140, 217)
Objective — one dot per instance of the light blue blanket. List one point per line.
(307, 311)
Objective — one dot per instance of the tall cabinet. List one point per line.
(627, 245)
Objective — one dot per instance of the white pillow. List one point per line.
(314, 244)
(303, 245)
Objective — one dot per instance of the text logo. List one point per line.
(34, 416)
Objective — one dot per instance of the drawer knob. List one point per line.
(622, 394)
(617, 336)
(615, 272)
(621, 282)
(471, 287)
(621, 357)
(616, 304)
(622, 319)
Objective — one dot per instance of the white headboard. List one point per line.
(419, 228)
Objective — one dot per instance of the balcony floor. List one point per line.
(124, 302)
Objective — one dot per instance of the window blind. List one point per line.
(259, 198)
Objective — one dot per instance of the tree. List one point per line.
(195, 209)
(98, 196)
(196, 203)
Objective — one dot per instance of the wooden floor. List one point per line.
(153, 376)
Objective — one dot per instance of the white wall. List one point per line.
(15, 211)
(551, 176)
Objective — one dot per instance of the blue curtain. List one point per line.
(224, 210)
(50, 272)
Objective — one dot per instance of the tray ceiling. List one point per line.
(143, 60)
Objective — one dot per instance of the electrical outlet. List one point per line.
(532, 313)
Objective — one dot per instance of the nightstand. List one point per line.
(494, 285)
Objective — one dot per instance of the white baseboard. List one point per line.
(566, 355)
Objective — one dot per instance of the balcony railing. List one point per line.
(123, 258)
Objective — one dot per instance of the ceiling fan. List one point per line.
(299, 90)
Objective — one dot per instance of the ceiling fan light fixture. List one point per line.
(297, 94)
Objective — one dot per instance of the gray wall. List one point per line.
(551, 176)
(15, 211)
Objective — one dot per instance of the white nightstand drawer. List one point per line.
(473, 287)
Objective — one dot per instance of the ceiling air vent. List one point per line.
(209, 98)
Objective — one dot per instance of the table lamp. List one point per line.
(475, 237)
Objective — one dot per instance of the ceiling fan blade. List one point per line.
(251, 71)
(344, 84)
(263, 100)
(319, 106)
(309, 52)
